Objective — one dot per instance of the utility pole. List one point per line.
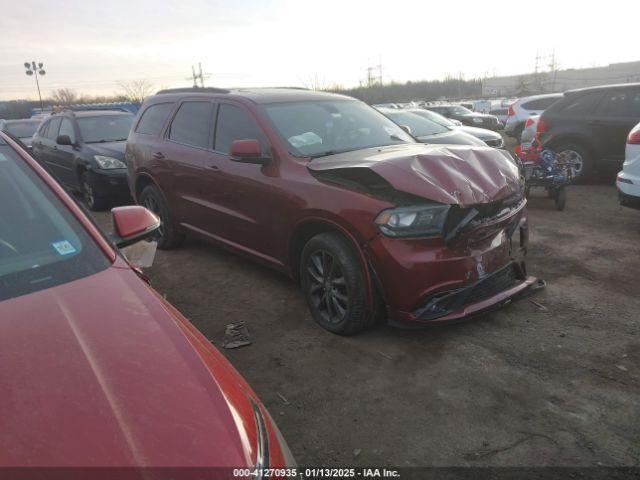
(198, 76)
(369, 77)
(33, 69)
(553, 66)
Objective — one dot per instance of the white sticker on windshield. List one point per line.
(63, 247)
(3, 158)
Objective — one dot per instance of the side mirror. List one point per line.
(406, 128)
(247, 151)
(132, 224)
(64, 140)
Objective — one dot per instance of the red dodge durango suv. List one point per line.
(329, 191)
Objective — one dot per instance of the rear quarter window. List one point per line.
(581, 105)
(540, 103)
(621, 103)
(154, 118)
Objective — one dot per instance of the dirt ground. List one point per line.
(552, 383)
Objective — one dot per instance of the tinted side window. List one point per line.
(235, 123)
(582, 105)
(42, 131)
(54, 125)
(153, 118)
(192, 124)
(66, 128)
(540, 103)
(621, 103)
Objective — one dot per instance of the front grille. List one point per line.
(491, 285)
(443, 303)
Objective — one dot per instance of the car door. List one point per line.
(48, 147)
(36, 146)
(186, 150)
(615, 115)
(63, 156)
(239, 195)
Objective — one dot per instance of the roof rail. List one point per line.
(193, 90)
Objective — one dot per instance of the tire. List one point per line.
(560, 198)
(87, 189)
(342, 309)
(168, 236)
(579, 153)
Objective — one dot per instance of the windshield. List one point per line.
(105, 128)
(327, 127)
(420, 126)
(22, 129)
(435, 117)
(41, 243)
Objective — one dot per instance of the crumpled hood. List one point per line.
(96, 372)
(109, 149)
(447, 174)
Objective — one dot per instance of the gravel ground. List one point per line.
(554, 382)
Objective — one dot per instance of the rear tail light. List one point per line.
(528, 123)
(510, 112)
(541, 127)
(634, 137)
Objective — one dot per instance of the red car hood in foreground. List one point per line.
(447, 174)
(99, 372)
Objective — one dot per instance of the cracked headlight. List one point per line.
(418, 221)
(108, 163)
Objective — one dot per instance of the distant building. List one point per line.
(561, 80)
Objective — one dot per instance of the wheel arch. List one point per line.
(142, 181)
(311, 227)
(580, 140)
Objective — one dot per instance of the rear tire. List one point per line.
(333, 282)
(578, 153)
(168, 235)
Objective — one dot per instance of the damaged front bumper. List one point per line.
(426, 281)
(488, 293)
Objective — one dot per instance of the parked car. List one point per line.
(529, 132)
(519, 111)
(591, 125)
(329, 191)
(628, 181)
(466, 116)
(491, 138)
(502, 115)
(98, 370)
(428, 131)
(85, 152)
(22, 129)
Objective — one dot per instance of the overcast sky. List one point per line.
(91, 45)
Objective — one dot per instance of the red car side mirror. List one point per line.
(247, 151)
(132, 224)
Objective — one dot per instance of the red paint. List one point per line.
(102, 371)
(258, 210)
(133, 220)
(245, 148)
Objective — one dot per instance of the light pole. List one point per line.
(35, 69)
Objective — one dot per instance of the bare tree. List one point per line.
(64, 96)
(136, 90)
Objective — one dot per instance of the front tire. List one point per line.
(168, 236)
(88, 192)
(333, 283)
